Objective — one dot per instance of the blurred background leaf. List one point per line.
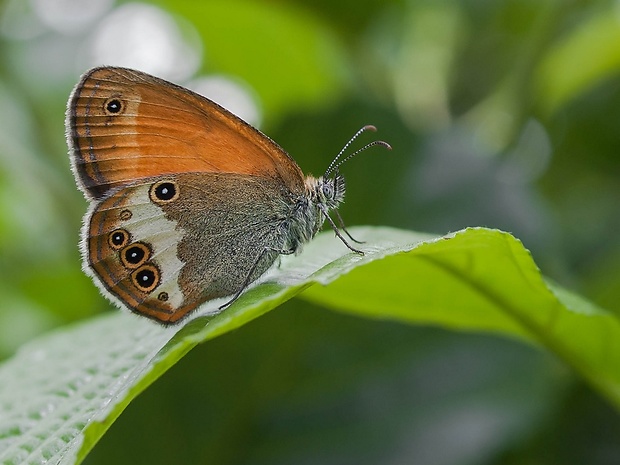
(501, 114)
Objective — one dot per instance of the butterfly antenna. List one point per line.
(333, 166)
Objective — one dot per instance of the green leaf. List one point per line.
(60, 393)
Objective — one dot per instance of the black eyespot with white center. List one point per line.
(164, 192)
(113, 106)
(146, 278)
(135, 254)
(118, 239)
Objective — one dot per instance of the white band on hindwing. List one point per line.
(149, 224)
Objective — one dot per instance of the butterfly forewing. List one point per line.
(125, 125)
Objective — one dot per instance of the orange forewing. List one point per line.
(161, 129)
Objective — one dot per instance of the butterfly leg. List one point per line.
(337, 231)
(342, 226)
(248, 279)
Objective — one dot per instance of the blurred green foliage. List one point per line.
(501, 114)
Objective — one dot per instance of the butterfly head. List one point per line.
(330, 188)
(326, 191)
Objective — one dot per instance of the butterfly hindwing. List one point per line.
(131, 247)
(165, 245)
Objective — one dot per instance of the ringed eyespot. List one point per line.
(146, 278)
(164, 192)
(118, 238)
(135, 254)
(113, 106)
(162, 296)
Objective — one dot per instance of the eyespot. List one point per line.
(162, 296)
(135, 254)
(118, 239)
(146, 278)
(113, 106)
(164, 192)
(126, 215)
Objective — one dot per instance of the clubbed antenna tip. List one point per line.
(334, 165)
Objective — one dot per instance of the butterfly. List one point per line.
(188, 203)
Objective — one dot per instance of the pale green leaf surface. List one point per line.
(60, 393)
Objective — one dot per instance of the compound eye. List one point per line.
(328, 191)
